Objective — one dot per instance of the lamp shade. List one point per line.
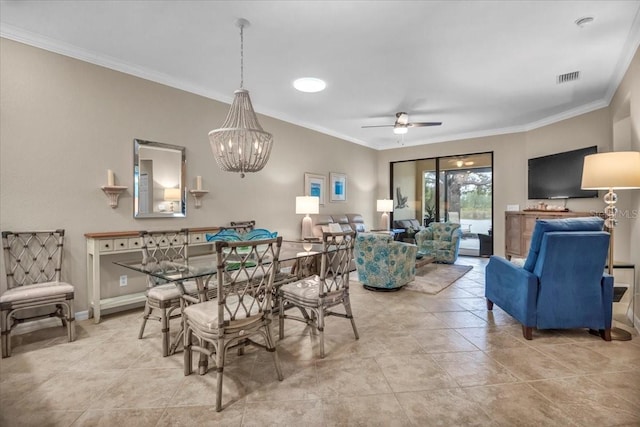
(616, 170)
(307, 205)
(384, 205)
(172, 194)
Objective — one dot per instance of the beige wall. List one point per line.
(625, 115)
(511, 153)
(64, 122)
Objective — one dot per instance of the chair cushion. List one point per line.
(36, 291)
(205, 314)
(565, 224)
(306, 291)
(170, 291)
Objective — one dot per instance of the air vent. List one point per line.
(568, 77)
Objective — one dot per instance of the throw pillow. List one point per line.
(259, 234)
(224, 235)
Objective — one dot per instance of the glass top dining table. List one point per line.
(202, 267)
(296, 260)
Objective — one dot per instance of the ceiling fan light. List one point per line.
(400, 130)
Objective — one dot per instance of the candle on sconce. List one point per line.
(198, 182)
(111, 180)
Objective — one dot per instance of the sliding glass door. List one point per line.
(456, 189)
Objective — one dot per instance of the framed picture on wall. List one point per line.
(338, 187)
(314, 185)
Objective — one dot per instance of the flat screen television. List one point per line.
(559, 176)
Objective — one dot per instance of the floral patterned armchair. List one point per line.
(382, 263)
(440, 240)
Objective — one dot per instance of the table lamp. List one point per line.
(385, 206)
(172, 195)
(618, 170)
(306, 205)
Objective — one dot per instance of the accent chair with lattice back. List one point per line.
(243, 226)
(317, 295)
(33, 265)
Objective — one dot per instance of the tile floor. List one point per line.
(421, 360)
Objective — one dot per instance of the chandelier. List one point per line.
(240, 144)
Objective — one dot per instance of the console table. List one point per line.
(519, 228)
(102, 246)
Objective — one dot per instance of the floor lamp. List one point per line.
(306, 205)
(618, 170)
(385, 206)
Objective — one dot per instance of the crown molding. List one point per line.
(39, 41)
(75, 52)
(629, 50)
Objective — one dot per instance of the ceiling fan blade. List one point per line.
(379, 126)
(423, 124)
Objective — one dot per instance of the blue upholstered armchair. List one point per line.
(382, 263)
(562, 284)
(440, 240)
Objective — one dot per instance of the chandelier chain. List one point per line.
(241, 56)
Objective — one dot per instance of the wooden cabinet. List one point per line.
(519, 227)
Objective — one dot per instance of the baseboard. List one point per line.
(50, 322)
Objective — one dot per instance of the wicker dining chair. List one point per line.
(320, 293)
(159, 247)
(241, 310)
(242, 226)
(33, 265)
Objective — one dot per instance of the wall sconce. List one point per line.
(112, 190)
(385, 206)
(198, 192)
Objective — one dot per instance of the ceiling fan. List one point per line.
(402, 124)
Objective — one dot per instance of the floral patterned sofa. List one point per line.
(382, 263)
(440, 240)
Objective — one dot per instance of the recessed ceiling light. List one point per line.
(584, 21)
(309, 84)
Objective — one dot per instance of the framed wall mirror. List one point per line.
(159, 172)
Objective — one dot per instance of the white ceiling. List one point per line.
(480, 67)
